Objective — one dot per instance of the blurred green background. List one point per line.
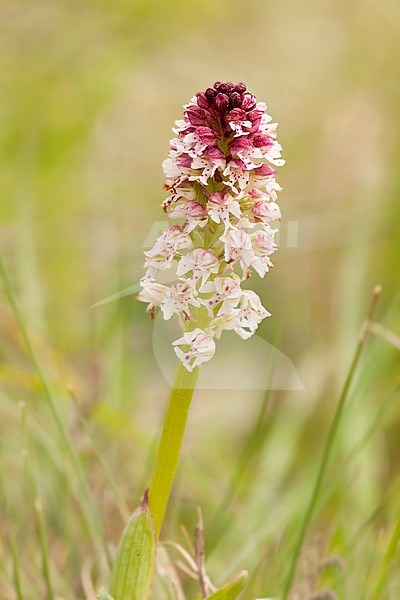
(90, 91)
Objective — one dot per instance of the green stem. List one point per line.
(16, 570)
(171, 442)
(45, 551)
(387, 562)
(328, 449)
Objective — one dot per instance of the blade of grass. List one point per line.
(362, 530)
(370, 558)
(120, 500)
(332, 486)
(368, 522)
(14, 551)
(255, 542)
(387, 563)
(16, 570)
(328, 448)
(167, 576)
(253, 444)
(3, 487)
(90, 513)
(231, 590)
(335, 482)
(44, 550)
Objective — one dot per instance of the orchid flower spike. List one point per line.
(220, 179)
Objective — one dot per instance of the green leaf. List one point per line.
(132, 573)
(231, 590)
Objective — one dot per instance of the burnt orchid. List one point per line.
(222, 191)
(220, 178)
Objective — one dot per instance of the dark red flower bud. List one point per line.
(221, 102)
(236, 99)
(226, 88)
(217, 84)
(210, 93)
(240, 88)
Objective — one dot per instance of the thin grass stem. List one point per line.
(328, 448)
(91, 513)
(121, 503)
(44, 551)
(252, 448)
(368, 522)
(387, 563)
(335, 482)
(16, 571)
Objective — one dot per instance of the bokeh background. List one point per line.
(90, 91)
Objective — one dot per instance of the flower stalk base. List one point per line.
(171, 443)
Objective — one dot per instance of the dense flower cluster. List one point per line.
(220, 178)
